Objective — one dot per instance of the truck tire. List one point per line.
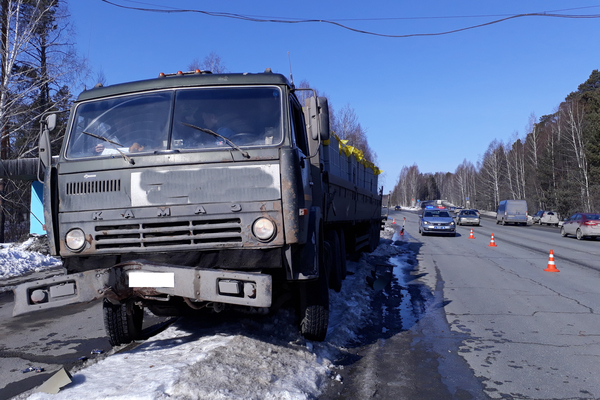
(122, 322)
(314, 302)
(335, 266)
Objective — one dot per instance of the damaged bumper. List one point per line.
(146, 280)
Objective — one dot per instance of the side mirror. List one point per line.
(323, 108)
(44, 149)
(318, 117)
(51, 122)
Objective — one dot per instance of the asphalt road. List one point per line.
(496, 324)
(50, 340)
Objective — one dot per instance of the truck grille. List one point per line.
(169, 234)
(111, 185)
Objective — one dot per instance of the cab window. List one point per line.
(298, 127)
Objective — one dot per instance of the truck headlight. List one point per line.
(75, 239)
(263, 229)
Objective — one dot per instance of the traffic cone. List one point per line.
(394, 221)
(492, 243)
(551, 266)
(471, 235)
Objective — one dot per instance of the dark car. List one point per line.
(467, 217)
(435, 220)
(397, 208)
(581, 225)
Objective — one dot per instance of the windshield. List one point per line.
(170, 120)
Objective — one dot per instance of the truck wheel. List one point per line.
(335, 272)
(122, 322)
(314, 303)
(315, 310)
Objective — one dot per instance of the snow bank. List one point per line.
(22, 258)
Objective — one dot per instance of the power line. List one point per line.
(284, 20)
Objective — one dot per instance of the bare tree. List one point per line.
(346, 126)
(490, 173)
(464, 177)
(212, 62)
(574, 117)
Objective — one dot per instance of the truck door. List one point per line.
(301, 146)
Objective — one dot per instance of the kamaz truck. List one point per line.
(199, 191)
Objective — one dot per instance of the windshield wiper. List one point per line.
(229, 142)
(113, 144)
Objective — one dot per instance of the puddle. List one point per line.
(402, 278)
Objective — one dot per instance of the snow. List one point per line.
(16, 260)
(257, 357)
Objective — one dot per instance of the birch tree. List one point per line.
(574, 118)
(490, 173)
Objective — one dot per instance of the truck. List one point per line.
(192, 193)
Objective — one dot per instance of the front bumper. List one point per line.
(124, 280)
(438, 228)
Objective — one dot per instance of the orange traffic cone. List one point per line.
(393, 220)
(551, 266)
(471, 235)
(492, 243)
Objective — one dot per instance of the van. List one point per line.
(512, 212)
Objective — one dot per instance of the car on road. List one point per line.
(398, 208)
(581, 225)
(468, 217)
(545, 218)
(435, 220)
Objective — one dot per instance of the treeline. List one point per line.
(556, 166)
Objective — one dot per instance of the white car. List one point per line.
(545, 218)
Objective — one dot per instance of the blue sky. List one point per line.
(433, 101)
